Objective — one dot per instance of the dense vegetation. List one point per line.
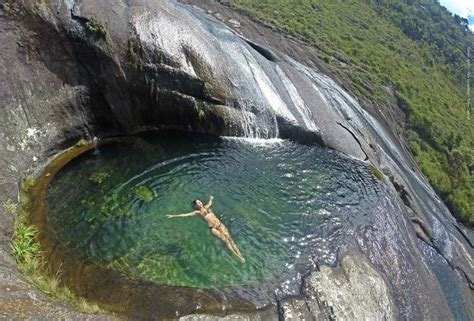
(417, 49)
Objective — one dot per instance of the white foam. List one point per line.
(257, 141)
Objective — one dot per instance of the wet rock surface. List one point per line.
(164, 65)
(353, 291)
(346, 292)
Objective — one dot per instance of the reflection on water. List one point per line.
(287, 206)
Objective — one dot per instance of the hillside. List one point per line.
(415, 49)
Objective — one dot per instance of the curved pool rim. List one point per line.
(131, 296)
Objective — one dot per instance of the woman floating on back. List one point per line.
(215, 225)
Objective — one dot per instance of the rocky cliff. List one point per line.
(73, 69)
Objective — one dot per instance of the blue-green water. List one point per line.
(287, 206)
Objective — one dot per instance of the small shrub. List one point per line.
(81, 143)
(28, 183)
(201, 114)
(97, 27)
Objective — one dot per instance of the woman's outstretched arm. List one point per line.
(209, 204)
(183, 215)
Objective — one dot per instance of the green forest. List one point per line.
(419, 50)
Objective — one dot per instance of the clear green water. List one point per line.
(287, 206)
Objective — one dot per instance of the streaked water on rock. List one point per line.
(287, 206)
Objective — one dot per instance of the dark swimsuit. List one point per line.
(215, 226)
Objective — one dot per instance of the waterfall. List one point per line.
(275, 96)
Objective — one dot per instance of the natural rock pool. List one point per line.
(288, 207)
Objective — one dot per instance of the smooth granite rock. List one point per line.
(166, 65)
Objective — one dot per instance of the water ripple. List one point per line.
(288, 207)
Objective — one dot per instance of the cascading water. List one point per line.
(261, 89)
(273, 91)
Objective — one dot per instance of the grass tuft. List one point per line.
(377, 172)
(87, 307)
(27, 252)
(25, 249)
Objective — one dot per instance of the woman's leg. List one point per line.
(235, 246)
(225, 232)
(224, 239)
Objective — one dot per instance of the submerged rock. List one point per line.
(75, 69)
(144, 193)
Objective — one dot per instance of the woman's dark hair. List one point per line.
(194, 203)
